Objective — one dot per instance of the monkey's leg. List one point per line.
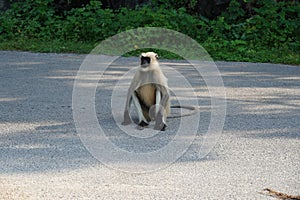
(142, 119)
(157, 101)
(160, 120)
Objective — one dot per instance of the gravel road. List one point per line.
(43, 157)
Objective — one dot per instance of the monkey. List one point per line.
(150, 94)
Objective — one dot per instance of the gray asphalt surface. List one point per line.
(42, 156)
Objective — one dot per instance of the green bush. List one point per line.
(90, 23)
(29, 19)
(235, 35)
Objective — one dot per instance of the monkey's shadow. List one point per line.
(128, 142)
(159, 140)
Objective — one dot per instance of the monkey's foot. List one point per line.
(161, 127)
(142, 125)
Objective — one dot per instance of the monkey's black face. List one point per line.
(145, 61)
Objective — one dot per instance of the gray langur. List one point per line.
(150, 94)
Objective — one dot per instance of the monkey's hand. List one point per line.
(159, 123)
(161, 127)
(127, 119)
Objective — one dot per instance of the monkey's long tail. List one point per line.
(193, 110)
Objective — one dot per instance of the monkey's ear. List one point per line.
(156, 56)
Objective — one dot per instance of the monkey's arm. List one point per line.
(127, 119)
(133, 85)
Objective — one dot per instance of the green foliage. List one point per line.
(269, 33)
(274, 24)
(27, 19)
(90, 23)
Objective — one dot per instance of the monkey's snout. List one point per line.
(144, 65)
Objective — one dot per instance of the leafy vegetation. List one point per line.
(266, 32)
